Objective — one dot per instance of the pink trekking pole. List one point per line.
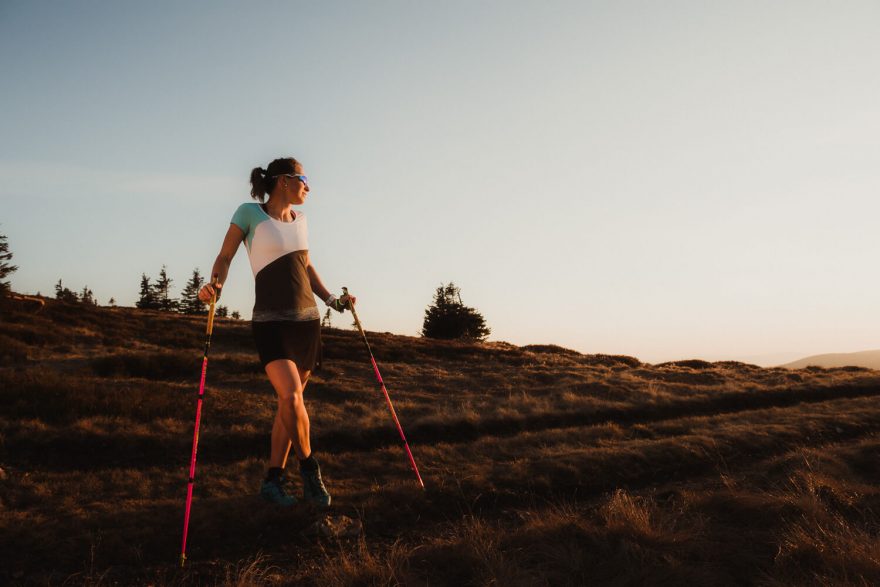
(412, 461)
(192, 460)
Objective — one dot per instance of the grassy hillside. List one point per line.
(543, 466)
(867, 359)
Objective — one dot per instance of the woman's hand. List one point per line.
(207, 291)
(341, 303)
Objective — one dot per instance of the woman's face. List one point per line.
(295, 188)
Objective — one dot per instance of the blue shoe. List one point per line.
(313, 488)
(273, 492)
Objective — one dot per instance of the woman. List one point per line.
(286, 321)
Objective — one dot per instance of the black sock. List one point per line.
(309, 464)
(274, 474)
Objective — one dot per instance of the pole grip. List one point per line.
(211, 310)
(355, 316)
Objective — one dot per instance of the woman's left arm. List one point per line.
(322, 292)
(315, 280)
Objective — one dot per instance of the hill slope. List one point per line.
(867, 359)
(542, 466)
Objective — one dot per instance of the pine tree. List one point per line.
(147, 299)
(325, 321)
(112, 302)
(449, 318)
(87, 297)
(221, 311)
(5, 268)
(161, 292)
(189, 297)
(64, 294)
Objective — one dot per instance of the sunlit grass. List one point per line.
(542, 466)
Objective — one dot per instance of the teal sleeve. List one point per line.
(247, 217)
(242, 218)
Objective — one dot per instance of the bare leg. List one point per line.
(291, 420)
(280, 438)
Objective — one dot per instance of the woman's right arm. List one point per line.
(219, 271)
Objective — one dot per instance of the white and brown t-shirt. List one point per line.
(278, 252)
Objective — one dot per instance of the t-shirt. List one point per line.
(278, 252)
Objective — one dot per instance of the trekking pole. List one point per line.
(357, 322)
(192, 460)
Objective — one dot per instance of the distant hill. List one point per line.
(868, 359)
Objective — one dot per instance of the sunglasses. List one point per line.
(302, 178)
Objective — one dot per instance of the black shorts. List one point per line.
(299, 342)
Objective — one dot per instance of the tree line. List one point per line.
(154, 295)
(157, 296)
(446, 318)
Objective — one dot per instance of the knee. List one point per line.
(290, 398)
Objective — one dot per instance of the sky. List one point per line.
(664, 180)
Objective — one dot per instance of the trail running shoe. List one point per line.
(313, 488)
(273, 492)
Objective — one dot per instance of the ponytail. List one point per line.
(263, 181)
(258, 183)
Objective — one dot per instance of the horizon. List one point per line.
(767, 361)
(675, 182)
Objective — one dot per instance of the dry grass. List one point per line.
(543, 466)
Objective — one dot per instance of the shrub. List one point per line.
(449, 318)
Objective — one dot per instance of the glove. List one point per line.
(338, 304)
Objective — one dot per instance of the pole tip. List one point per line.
(182, 560)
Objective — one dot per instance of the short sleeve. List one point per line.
(243, 218)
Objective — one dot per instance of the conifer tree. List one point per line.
(64, 294)
(87, 297)
(161, 292)
(449, 318)
(189, 298)
(221, 311)
(147, 299)
(5, 268)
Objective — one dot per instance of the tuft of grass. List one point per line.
(254, 571)
(354, 565)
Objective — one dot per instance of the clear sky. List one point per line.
(661, 179)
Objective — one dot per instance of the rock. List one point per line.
(335, 526)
